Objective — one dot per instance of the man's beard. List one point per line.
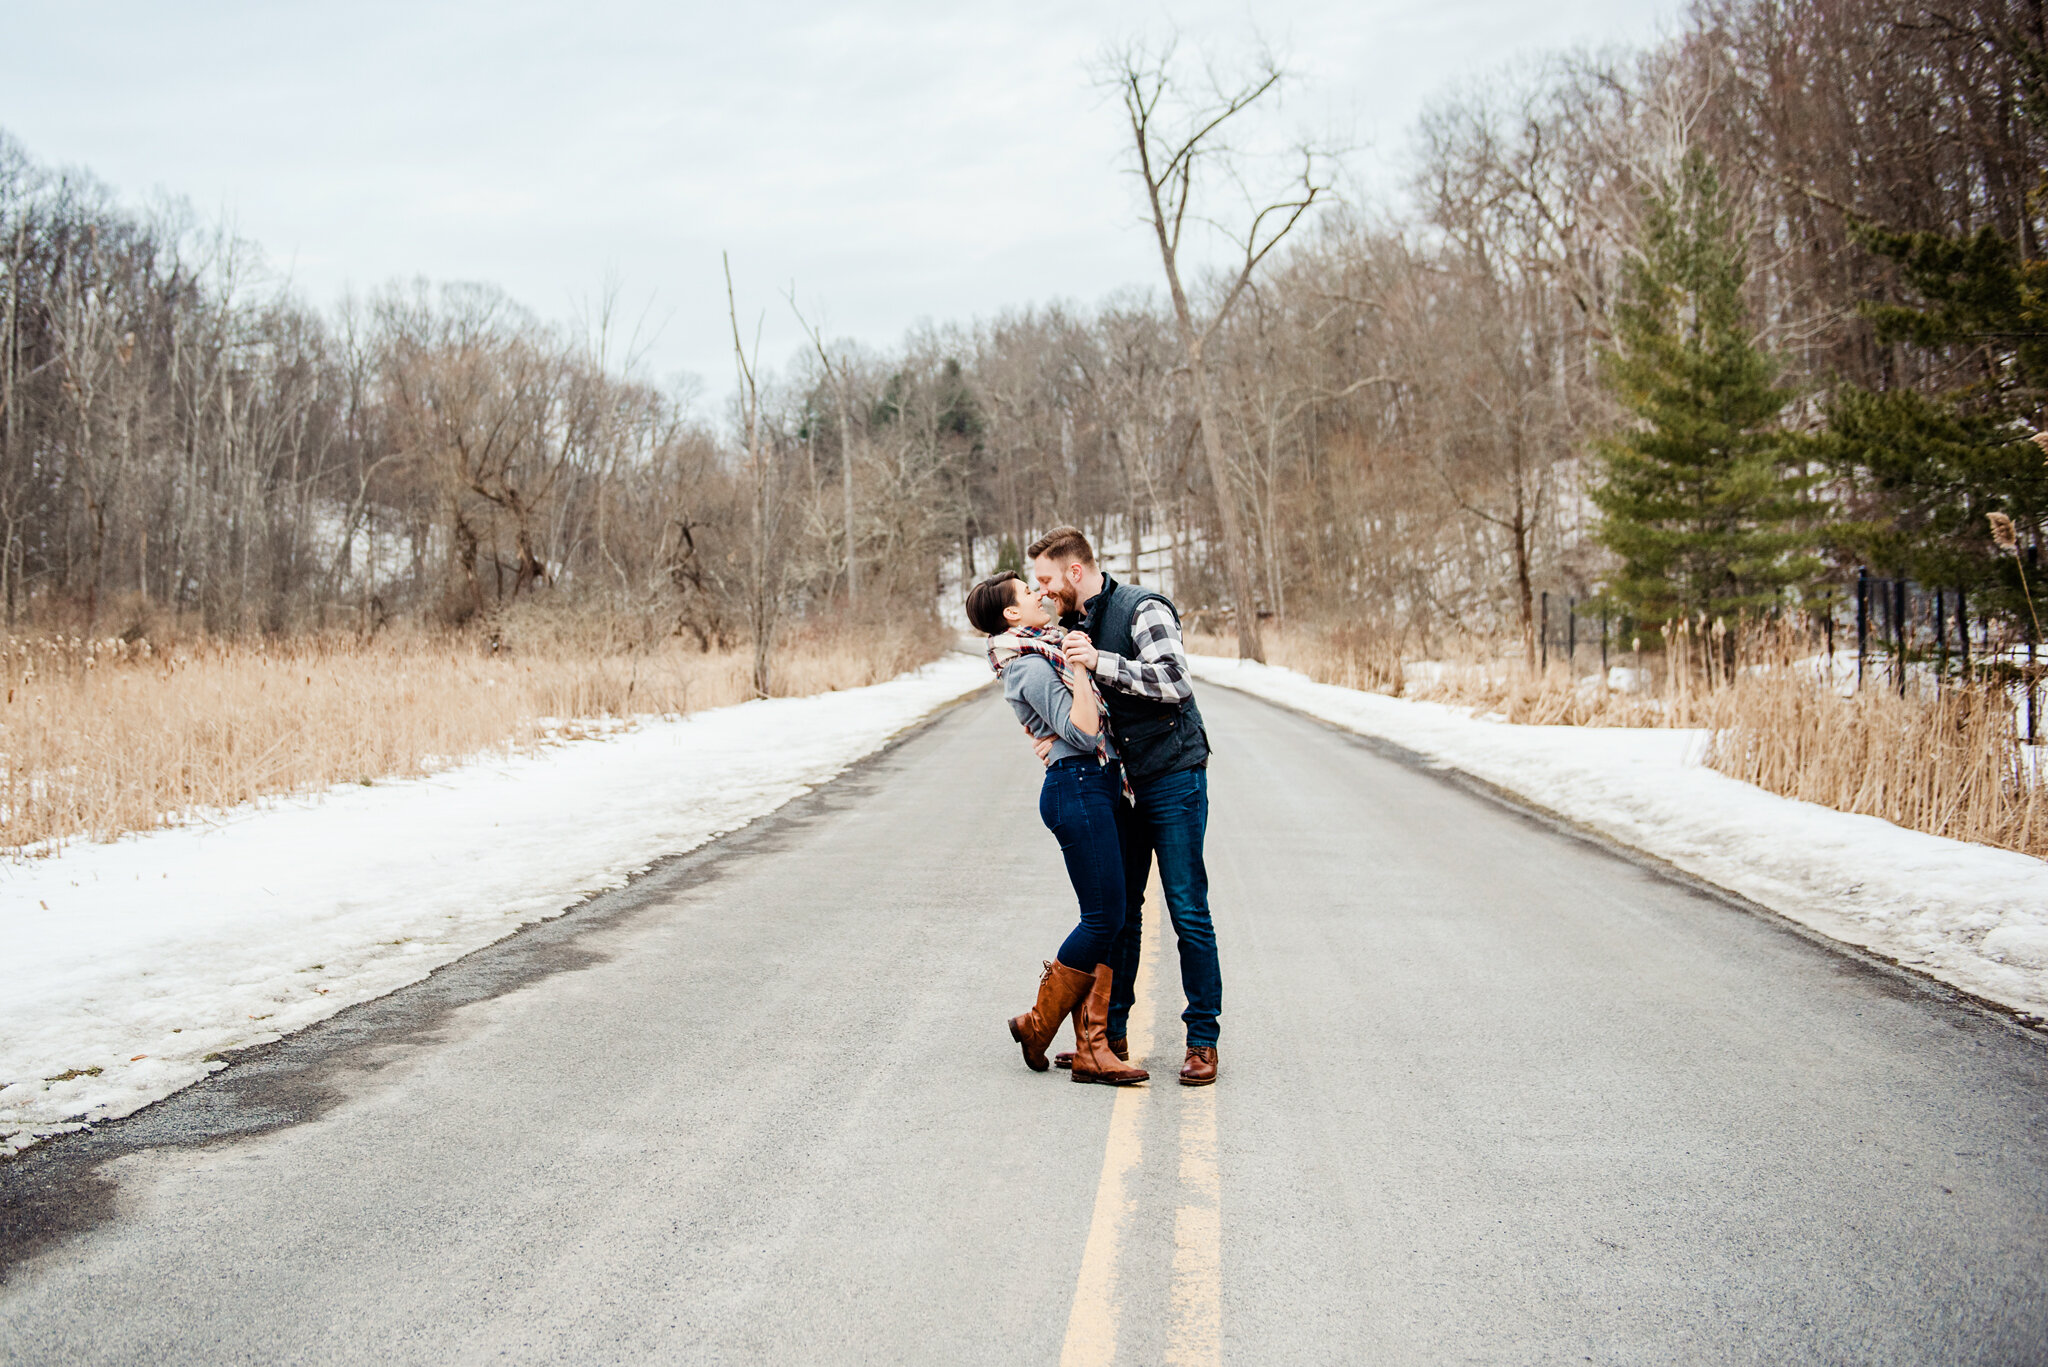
(1068, 597)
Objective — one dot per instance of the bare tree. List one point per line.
(839, 375)
(764, 588)
(1171, 131)
(1124, 359)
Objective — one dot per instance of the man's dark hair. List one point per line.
(986, 601)
(1064, 546)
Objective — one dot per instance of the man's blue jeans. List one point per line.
(1170, 821)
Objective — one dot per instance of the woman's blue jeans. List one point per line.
(1082, 804)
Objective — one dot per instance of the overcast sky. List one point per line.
(895, 162)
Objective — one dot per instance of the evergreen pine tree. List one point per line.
(1697, 496)
(1924, 470)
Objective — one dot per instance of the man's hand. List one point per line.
(1041, 744)
(1079, 650)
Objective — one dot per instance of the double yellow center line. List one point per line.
(1196, 1332)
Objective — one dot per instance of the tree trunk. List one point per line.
(9, 359)
(763, 623)
(1524, 595)
(846, 487)
(1236, 557)
(1134, 481)
(1137, 540)
(764, 597)
(764, 575)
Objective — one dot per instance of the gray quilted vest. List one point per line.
(1154, 738)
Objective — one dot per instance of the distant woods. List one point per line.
(175, 435)
(1421, 417)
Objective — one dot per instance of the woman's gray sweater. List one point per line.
(1039, 697)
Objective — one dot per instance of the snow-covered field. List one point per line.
(1970, 915)
(124, 965)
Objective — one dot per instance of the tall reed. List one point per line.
(103, 737)
(1945, 759)
(1950, 765)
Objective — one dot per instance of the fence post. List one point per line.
(1543, 632)
(2033, 563)
(1603, 642)
(2033, 731)
(1963, 628)
(1571, 638)
(1862, 621)
(1899, 632)
(1940, 641)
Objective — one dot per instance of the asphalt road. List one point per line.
(1490, 1093)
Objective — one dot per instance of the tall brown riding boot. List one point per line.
(1093, 1060)
(1059, 989)
(1120, 1045)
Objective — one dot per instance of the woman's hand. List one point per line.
(1085, 714)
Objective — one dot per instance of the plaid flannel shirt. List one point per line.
(1160, 669)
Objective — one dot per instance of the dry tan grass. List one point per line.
(1348, 656)
(1475, 674)
(1950, 763)
(98, 738)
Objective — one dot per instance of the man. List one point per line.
(1129, 638)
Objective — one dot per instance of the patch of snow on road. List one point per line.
(1970, 915)
(124, 965)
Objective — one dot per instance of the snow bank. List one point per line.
(122, 966)
(1967, 914)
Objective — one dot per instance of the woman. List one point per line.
(1083, 802)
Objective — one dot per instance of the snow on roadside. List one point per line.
(124, 965)
(1970, 915)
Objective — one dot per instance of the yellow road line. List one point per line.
(1092, 1322)
(1197, 1334)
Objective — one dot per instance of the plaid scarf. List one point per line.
(1044, 642)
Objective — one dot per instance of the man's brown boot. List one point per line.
(1093, 1060)
(1200, 1069)
(1059, 989)
(1120, 1045)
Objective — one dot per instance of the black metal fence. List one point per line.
(1565, 640)
(1902, 626)
(1897, 626)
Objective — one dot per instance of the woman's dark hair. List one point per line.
(986, 601)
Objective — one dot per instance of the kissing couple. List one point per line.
(1098, 674)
